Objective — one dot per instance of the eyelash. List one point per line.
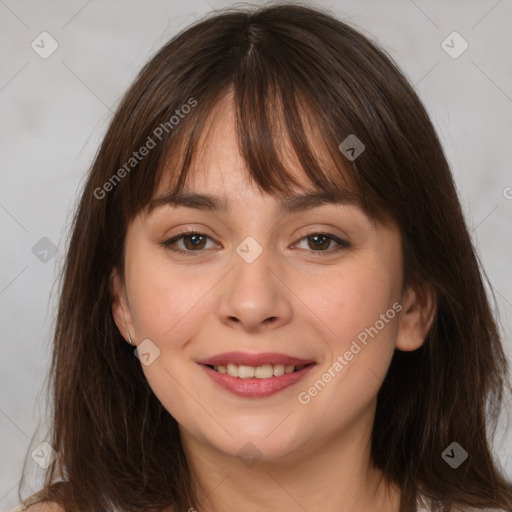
(168, 244)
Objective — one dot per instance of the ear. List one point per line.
(419, 306)
(120, 309)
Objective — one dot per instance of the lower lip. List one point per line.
(256, 387)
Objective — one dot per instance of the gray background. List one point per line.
(56, 110)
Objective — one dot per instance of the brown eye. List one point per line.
(193, 242)
(320, 242)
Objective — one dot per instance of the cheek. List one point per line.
(162, 301)
(362, 329)
(361, 295)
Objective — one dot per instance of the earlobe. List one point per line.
(120, 310)
(419, 306)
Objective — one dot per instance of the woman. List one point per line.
(270, 299)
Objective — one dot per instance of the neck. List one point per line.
(332, 475)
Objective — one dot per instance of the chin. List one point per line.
(265, 440)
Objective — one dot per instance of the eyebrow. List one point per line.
(287, 204)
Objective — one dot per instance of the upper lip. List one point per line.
(246, 359)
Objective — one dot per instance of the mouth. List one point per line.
(255, 375)
(265, 371)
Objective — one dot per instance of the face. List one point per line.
(268, 326)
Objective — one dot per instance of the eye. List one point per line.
(320, 242)
(193, 242)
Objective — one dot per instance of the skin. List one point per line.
(292, 299)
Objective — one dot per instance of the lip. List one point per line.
(247, 359)
(253, 387)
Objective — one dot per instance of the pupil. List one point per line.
(195, 239)
(318, 240)
(316, 237)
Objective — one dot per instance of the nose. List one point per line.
(254, 297)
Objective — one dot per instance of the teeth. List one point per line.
(232, 370)
(278, 370)
(246, 372)
(264, 372)
(260, 372)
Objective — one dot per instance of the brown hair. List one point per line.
(117, 445)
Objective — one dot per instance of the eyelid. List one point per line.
(341, 243)
(170, 242)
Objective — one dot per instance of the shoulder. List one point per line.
(44, 506)
(423, 506)
(48, 506)
(472, 509)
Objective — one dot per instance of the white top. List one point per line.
(422, 508)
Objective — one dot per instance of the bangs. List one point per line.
(272, 127)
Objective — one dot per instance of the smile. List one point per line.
(255, 375)
(265, 371)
